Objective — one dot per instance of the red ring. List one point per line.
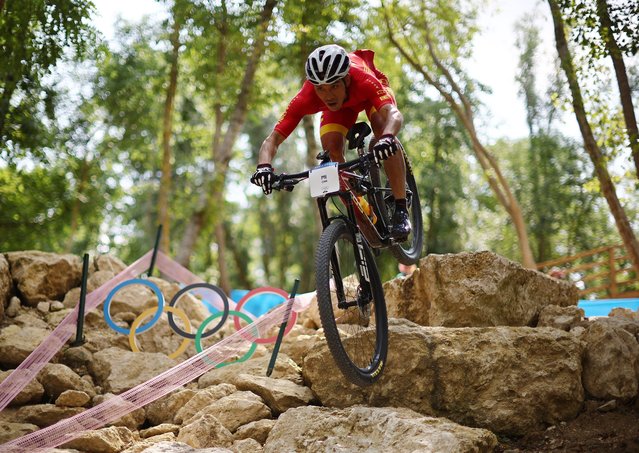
(254, 292)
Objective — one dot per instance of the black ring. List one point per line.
(189, 288)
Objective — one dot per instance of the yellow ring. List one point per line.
(150, 311)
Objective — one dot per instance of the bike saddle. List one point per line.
(357, 134)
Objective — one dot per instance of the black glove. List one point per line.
(264, 177)
(385, 147)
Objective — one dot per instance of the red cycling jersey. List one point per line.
(368, 91)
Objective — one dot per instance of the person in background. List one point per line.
(405, 270)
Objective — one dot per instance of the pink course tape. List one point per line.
(143, 394)
(32, 365)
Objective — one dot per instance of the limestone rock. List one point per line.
(77, 358)
(6, 285)
(14, 307)
(108, 263)
(57, 378)
(285, 368)
(179, 447)
(258, 430)
(46, 414)
(299, 342)
(625, 313)
(144, 445)
(246, 446)
(17, 343)
(510, 380)
(235, 410)
(132, 420)
(475, 290)
(564, 318)
(95, 280)
(359, 429)
(40, 276)
(117, 370)
(111, 439)
(611, 362)
(10, 430)
(278, 394)
(159, 429)
(202, 399)
(164, 409)
(72, 398)
(629, 325)
(204, 432)
(31, 393)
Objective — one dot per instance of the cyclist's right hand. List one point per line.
(264, 177)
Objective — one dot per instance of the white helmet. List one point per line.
(327, 64)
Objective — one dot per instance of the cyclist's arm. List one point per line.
(269, 147)
(393, 119)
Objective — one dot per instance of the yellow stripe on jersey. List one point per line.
(326, 128)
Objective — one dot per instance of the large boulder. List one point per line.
(475, 290)
(106, 440)
(31, 393)
(40, 276)
(57, 378)
(117, 370)
(360, 429)
(510, 380)
(16, 343)
(611, 362)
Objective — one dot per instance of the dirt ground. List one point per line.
(595, 430)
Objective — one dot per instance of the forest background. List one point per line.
(103, 140)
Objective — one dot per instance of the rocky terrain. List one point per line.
(484, 356)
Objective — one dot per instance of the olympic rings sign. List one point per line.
(171, 310)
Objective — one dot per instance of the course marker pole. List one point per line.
(280, 335)
(79, 334)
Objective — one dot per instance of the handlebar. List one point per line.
(288, 182)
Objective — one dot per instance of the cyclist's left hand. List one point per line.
(385, 147)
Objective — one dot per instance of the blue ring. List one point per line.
(134, 281)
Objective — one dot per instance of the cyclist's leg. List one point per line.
(333, 129)
(394, 166)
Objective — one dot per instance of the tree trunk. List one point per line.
(167, 130)
(607, 36)
(213, 190)
(240, 258)
(597, 158)
(463, 109)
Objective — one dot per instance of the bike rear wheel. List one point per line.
(410, 251)
(352, 307)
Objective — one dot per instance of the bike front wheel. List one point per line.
(351, 304)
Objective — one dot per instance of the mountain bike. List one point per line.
(349, 289)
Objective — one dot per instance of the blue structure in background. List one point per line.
(258, 304)
(601, 307)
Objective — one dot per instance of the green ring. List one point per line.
(200, 331)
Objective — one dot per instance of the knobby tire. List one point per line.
(358, 343)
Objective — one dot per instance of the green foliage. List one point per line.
(582, 17)
(98, 152)
(34, 37)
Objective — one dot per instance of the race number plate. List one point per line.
(324, 179)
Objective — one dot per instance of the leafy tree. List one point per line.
(446, 32)
(34, 36)
(593, 149)
(609, 29)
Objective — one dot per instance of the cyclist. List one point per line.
(341, 85)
